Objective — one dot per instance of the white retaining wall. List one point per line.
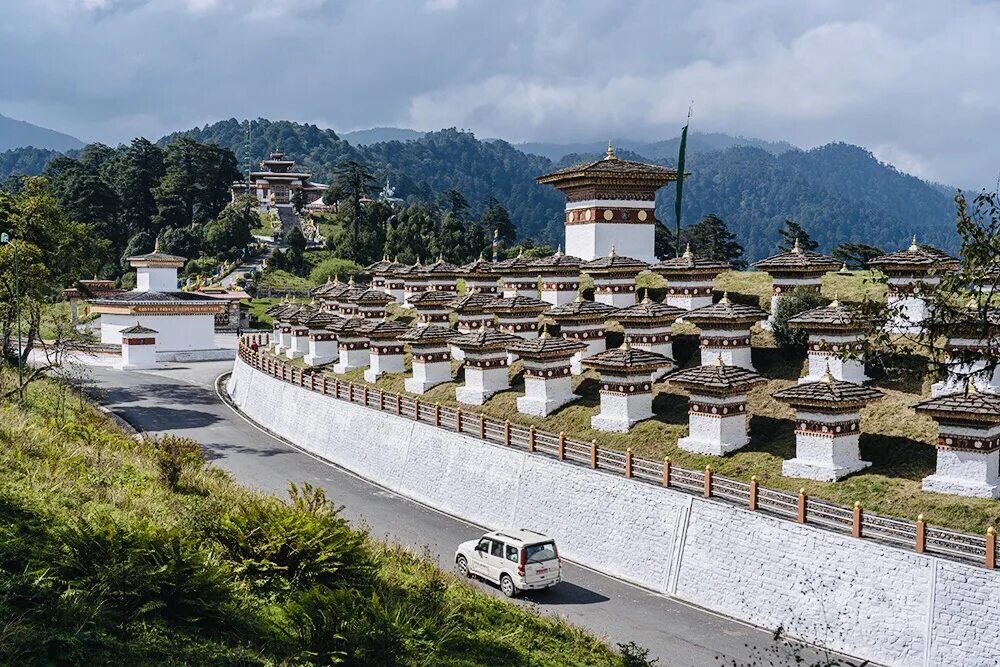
(884, 604)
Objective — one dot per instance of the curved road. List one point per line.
(182, 400)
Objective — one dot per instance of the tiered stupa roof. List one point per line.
(648, 311)
(797, 262)
(473, 303)
(428, 334)
(441, 269)
(432, 299)
(384, 266)
(716, 379)
(609, 169)
(834, 317)
(689, 265)
(725, 312)
(382, 329)
(519, 265)
(627, 359)
(580, 310)
(557, 264)
(547, 347)
(614, 264)
(828, 393)
(519, 305)
(138, 330)
(372, 297)
(484, 339)
(477, 268)
(970, 407)
(914, 259)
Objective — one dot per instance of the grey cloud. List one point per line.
(908, 79)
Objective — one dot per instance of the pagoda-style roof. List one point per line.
(373, 297)
(411, 271)
(833, 317)
(973, 407)
(382, 329)
(473, 302)
(138, 330)
(649, 311)
(716, 378)
(484, 339)
(797, 260)
(827, 392)
(519, 304)
(302, 314)
(331, 285)
(476, 267)
(514, 265)
(320, 319)
(432, 299)
(546, 347)
(151, 296)
(350, 295)
(627, 358)
(614, 263)
(689, 264)
(915, 257)
(430, 333)
(557, 263)
(347, 327)
(579, 309)
(610, 167)
(383, 266)
(725, 311)
(157, 259)
(441, 269)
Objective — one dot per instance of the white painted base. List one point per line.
(481, 383)
(850, 370)
(619, 413)
(185, 356)
(299, 347)
(593, 240)
(616, 299)
(427, 375)
(321, 352)
(688, 302)
(965, 473)
(911, 311)
(351, 360)
(594, 346)
(957, 379)
(715, 435)
(543, 397)
(380, 364)
(558, 297)
(824, 458)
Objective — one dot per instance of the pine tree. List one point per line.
(792, 231)
(710, 238)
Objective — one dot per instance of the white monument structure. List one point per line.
(548, 383)
(968, 444)
(610, 202)
(138, 348)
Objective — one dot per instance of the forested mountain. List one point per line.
(28, 161)
(839, 193)
(19, 134)
(379, 134)
(698, 142)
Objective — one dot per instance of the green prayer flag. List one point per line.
(680, 187)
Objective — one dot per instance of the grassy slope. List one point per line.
(87, 520)
(896, 440)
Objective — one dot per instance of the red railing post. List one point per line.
(921, 541)
(991, 548)
(708, 482)
(365, 395)
(437, 414)
(531, 438)
(482, 426)
(752, 499)
(856, 519)
(561, 446)
(399, 404)
(350, 392)
(506, 432)
(416, 409)
(458, 420)
(593, 454)
(666, 472)
(381, 400)
(803, 499)
(628, 462)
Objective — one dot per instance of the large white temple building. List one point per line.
(184, 321)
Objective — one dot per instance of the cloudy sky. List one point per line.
(915, 81)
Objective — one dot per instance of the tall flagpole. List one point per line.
(680, 183)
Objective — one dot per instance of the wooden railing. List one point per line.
(918, 536)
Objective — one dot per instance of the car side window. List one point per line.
(512, 554)
(484, 545)
(497, 549)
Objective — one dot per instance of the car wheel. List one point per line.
(507, 586)
(463, 566)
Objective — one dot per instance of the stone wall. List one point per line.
(884, 604)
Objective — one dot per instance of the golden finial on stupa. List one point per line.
(545, 332)
(612, 253)
(725, 299)
(626, 346)
(914, 246)
(579, 298)
(844, 271)
(827, 377)
(156, 245)
(610, 154)
(836, 301)
(688, 254)
(796, 248)
(645, 299)
(718, 360)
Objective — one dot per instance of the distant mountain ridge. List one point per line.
(20, 134)
(377, 135)
(839, 192)
(698, 142)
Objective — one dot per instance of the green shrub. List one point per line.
(797, 301)
(173, 455)
(345, 269)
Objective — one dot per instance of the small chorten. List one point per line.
(614, 278)
(548, 383)
(909, 272)
(583, 321)
(322, 341)
(795, 268)
(485, 356)
(725, 330)
(517, 276)
(430, 359)
(371, 303)
(385, 350)
(138, 348)
(689, 279)
(352, 345)
(415, 281)
(559, 275)
(827, 427)
(479, 276)
(380, 272)
(432, 306)
(835, 342)
(968, 444)
(717, 406)
(626, 386)
(518, 315)
(442, 276)
(649, 326)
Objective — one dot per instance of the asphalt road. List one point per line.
(183, 400)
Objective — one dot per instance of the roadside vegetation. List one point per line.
(126, 552)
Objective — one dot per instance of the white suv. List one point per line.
(517, 560)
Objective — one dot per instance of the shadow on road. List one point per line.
(216, 450)
(565, 593)
(151, 418)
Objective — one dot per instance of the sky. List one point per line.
(914, 81)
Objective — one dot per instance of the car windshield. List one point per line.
(536, 553)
